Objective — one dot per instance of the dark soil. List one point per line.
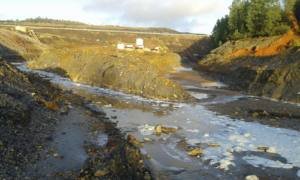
(264, 111)
(31, 109)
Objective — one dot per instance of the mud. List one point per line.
(39, 141)
(229, 148)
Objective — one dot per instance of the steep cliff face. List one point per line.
(263, 66)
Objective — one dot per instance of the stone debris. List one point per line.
(195, 152)
(148, 140)
(159, 129)
(251, 177)
(213, 145)
(134, 141)
(100, 173)
(267, 149)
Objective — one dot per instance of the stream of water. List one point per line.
(232, 149)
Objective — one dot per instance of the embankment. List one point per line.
(262, 66)
(131, 72)
(31, 109)
(84, 60)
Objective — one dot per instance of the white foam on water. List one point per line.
(184, 69)
(199, 95)
(146, 129)
(213, 84)
(240, 136)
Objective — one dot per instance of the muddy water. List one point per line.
(232, 148)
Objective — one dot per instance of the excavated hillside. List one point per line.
(141, 74)
(262, 66)
(91, 58)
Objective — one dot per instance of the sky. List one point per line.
(196, 16)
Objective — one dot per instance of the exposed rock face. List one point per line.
(129, 72)
(276, 76)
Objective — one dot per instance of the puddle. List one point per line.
(220, 137)
(66, 152)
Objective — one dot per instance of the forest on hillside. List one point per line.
(257, 18)
(42, 20)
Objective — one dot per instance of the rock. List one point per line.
(132, 140)
(56, 155)
(64, 110)
(266, 149)
(158, 129)
(146, 130)
(255, 114)
(148, 140)
(100, 173)
(214, 145)
(52, 106)
(251, 177)
(168, 130)
(195, 152)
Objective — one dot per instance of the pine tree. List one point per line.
(237, 16)
(263, 17)
(221, 31)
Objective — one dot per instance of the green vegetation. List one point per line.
(42, 20)
(256, 18)
(221, 30)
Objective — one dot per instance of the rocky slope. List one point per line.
(141, 74)
(263, 66)
(83, 60)
(31, 108)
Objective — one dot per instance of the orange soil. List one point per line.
(273, 49)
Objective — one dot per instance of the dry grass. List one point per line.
(21, 44)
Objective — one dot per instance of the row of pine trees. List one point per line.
(255, 18)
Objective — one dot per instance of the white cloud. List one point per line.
(184, 15)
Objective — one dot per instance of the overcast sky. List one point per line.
(198, 16)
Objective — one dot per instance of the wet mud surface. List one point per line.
(49, 133)
(205, 138)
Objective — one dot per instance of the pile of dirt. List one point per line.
(139, 73)
(263, 66)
